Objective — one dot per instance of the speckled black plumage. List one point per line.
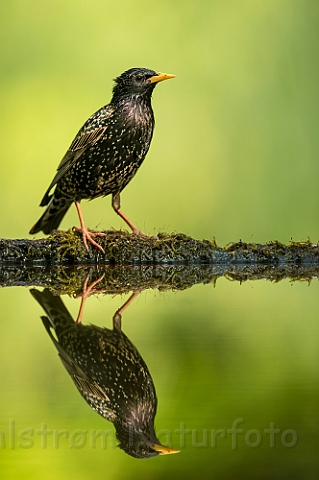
(107, 151)
(109, 373)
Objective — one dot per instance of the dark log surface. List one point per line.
(122, 248)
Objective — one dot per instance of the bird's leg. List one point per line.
(85, 293)
(116, 206)
(117, 318)
(86, 234)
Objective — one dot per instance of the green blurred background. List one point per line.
(236, 141)
(235, 154)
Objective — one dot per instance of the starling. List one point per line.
(105, 154)
(109, 373)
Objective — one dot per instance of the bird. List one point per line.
(109, 373)
(105, 154)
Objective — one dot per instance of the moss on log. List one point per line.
(122, 248)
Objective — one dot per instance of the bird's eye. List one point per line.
(139, 78)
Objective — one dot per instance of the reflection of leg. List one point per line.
(116, 206)
(86, 292)
(128, 302)
(86, 234)
(118, 314)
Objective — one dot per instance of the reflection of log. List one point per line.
(123, 279)
(124, 248)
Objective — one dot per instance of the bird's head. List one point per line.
(138, 82)
(140, 445)
(136, 433)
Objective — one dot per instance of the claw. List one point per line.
(87, 236)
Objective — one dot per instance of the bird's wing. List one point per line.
(86, 137)
(81, 143)
(86, 385)
(90, 390)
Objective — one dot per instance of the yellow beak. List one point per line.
(162, 450)
(159, 77)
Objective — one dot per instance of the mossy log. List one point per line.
(122, 248)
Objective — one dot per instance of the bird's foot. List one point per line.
(87, 236)
(87, 290)
(136, 231)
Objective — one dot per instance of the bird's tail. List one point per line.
(58, 316)
(52, 216)
(58, 320)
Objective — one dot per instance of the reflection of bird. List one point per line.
(109, 373)
(106, 153)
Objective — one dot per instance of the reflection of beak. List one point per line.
(162, 450)
(159, 77)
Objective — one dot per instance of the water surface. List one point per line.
(235, 367)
